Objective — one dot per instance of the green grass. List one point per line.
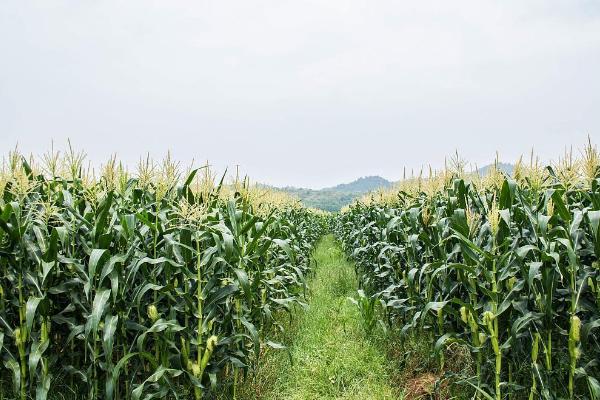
(332, 357)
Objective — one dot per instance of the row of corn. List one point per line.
(141, 285)
(506, 267)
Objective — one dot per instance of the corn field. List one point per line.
(508, 267)
(141, 285)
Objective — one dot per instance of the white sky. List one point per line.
(301, 92)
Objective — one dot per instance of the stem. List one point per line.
(495, 331)
(155, 245)
(572, 340)
(197, 390)
(23, 334)
(199, 295)
(534, 355)
(498, 360)
(510, 379)
(440, 322)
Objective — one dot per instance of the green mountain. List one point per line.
(504, 167)
(362, 185)
(334, 198)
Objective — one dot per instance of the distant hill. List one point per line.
(334, 198)
(362, 185)
(504, 167)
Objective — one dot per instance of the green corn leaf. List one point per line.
(98, 309)
(31, 307)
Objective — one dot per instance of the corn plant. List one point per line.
(506, 266)
(367, 308)
(140, 285)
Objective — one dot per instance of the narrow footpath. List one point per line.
(332, 357)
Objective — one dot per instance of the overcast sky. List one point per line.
(305, 93)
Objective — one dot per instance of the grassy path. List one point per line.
(332, 358)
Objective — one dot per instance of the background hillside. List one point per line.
(334, 198)
(504, 167)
